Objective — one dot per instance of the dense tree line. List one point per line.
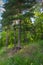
(17, 22)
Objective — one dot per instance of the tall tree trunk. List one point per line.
(7, 38)
(15, 36)
(25, 36)
(42, 5)
(19, 34)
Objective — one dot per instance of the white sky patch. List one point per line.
(32, 19)
(2, 10)
(0, 18)
(0, 25)
(41, 10)
(24, 11)
(1, 2)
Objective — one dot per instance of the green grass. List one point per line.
(31, 54)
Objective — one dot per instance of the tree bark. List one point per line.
(19, 34)
(15, 37)
(7, 38)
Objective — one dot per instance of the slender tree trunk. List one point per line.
(7, 38)
(42, 3)
(15, 37)
(19, 34)
(25, 36)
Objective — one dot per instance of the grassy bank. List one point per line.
(31, 54)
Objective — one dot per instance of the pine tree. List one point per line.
(17, 10)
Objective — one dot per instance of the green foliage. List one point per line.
(31, 56)
(14, 11)
(3, 39)
(32, 53)
(39, 26)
